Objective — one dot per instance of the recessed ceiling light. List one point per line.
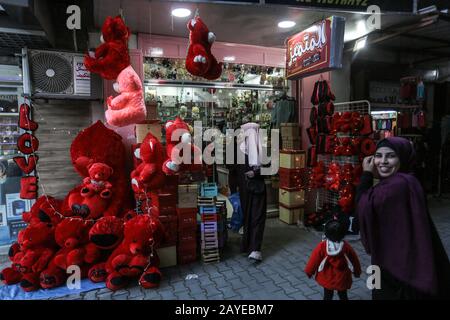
(181, 12)
(286, 24)
(229, 58)
(360, 44)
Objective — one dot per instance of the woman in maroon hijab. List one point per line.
(396, 228)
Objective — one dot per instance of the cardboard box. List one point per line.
(292, 199)
(152, 110)
(170, 224)
(187, 218)
(292, 159)
(187, 195)
(290, 130)
(291, 216)
(143, 128)
(291, 144)
(167, 256)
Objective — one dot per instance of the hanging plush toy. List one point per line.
(112, 61)
(111, 57)
(200, 61)
(128, 107)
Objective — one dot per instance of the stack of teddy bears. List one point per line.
(89, 228)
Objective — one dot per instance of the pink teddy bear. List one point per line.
(128, 107)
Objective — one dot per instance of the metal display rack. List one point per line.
(324, 197)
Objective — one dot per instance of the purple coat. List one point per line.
(397, 231)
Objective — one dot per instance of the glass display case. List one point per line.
(215, 107)
(11, 205)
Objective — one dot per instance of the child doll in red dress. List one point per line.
(333, 261)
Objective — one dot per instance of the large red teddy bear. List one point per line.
(178, 140)
(98, 145)
(111, 57)
(200, 61)
(135, 257)
(148, 176)
(128, 107)
(36, 247)
(72, 236)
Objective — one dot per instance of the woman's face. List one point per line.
(386, 161)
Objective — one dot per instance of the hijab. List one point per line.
(397, 230)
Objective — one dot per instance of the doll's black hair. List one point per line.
(334, 230)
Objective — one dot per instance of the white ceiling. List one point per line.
(248, 24)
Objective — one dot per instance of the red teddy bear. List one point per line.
(136, 255)
(45, 209)
(72, 235)
(148, 176)
(200, 61)
(36, 248)
(99, 173)
(111, 57)
(178, 139)
(98, 144)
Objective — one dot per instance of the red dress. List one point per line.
(333, 264)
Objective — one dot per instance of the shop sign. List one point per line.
(316, 49)
(350, 5)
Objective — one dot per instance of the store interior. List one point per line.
(392, 81)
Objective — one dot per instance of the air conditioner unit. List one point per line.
(54, 74)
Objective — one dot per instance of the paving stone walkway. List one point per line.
(279, 277)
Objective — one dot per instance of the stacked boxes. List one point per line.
(209, 223)
(187, 195)
(291, 192)
(222, 231)
(143, 128)
(187, 235)
(187, 223)
(290, 136)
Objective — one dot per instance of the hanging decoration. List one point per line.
(199, 60)
(28, 144)
(111, 61)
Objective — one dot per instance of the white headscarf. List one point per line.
(252, 146)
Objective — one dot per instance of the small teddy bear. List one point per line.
(99, 173)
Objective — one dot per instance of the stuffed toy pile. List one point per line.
(91, 228)
(200, 61)
(112, 61)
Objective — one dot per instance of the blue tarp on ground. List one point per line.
(14, 292)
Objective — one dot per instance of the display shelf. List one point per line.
(9, 156)
(211, 85)
(15, 133)
(9, 114)
(395, 106)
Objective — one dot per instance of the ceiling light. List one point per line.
(156, 52)
(286, 24)
(181, 12)
(360, 43)
(229, 58)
